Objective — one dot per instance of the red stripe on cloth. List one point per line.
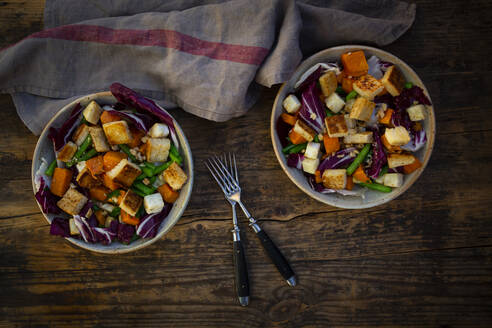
(161, 38)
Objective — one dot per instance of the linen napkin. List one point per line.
(209, 57)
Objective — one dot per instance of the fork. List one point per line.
(229, 183)
(240, 267)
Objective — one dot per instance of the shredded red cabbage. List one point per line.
(46, 199)
(84, 229)
(140, 120)
(419, 138)
(313, 78)
(61, 136)
(149, 225)
(125, 233)
(339, 159)
(283, 131)
(312, 110)
(378, 155)
(60, 227)
(295, 160)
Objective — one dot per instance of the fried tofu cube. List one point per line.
(131, 202)
(334, 102)
(117, 132)
(396, 160)
(349, 104)
(174, 176)
(159, 130)
(67, 152)
(312, 150)
(99, 139)
(394, 180)
(349, 121)
(358, 138)
(124, 173)
(304, 130)
(416, 112)
(157, 149)
(328, 83)
(362, 109)
(80, 134)
(335, 178)
(291, 104)
(86, 180)
(92, 112)
(336, 126)
(393, 81)
(153, 203)
(397, 136)
(310, 165)
(73, 228)
(368, 87)
(72, 202)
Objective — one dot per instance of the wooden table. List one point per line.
(424, 259)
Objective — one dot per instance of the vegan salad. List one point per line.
(117, 170)
(356, 122)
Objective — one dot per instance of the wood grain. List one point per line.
(424, 259)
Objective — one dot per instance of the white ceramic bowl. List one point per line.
(373, 198)
(44, 148)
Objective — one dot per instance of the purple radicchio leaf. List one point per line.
(140, 120)
(62, 135)
(283, 131)
(295, 160)
(125, 233)
(314, 73)
(60, 227)
(419, 138)
(312, 111)
(150, 223)
(88, 205)
(46, 199)
(84, 229)
(104, 235)
(378, 156)
(318, 187)
(339, 159)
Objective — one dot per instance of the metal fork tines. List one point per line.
(226, 171)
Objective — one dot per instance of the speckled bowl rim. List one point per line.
(337, 200)
(182, 201)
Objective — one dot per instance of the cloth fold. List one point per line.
(208, 57)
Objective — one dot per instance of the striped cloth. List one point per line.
(209, 57)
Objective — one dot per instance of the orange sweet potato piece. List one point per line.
(407, 169)
(386, 120)
(331, 144)
(317, 177)
(61, 181)
(107, 117)
(296, 138)
(101, 219)
(99, 193)
(360, 175)
(289, 119)
(109, 183)
(136, 137)
(128, 219)
(354, 63)
(168, 194)
(348, 83)
(111, 159)
(95, 165)
(350, 183)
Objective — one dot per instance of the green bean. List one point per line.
(329, 113)
(408, 85)
(114, 193)
(316, 138)
(141, 177)
(115, 212)
(51, 168)
(384, 170)
(288, 148)
(174, 155)
(140, 212)
(126, 150)
(340, 91)
(95, 208)
(143, 188)
(138, 192)
(152, 179)
(352, 94)
(375, 186)
(91, 153)
(82, 148)
(359, 159)
(161, 168)
(147, 171)
(298, 148)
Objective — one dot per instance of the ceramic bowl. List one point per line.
(44, 149)
(373, 198)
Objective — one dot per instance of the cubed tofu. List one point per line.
(310, 165)
(153, 203)
(396, 160)
(117, 132)
(328, 83)
(416, 112)
(368, 87)
(304, 130)
(334, 102)
(379, 179)
(80, 134)
(131, 202)
(349, 104)
(335, 179)
(174, 176)
(124, 172)
(312, 150)
(86, 180)
(159, 130)
(99, 139)
(67, 152)
(362, 109)
(92, 112)
(336, 126)
(394, 180)
(349, 121)
(157, 149)
(72, 202)
(73, 228)
(358, 138)
(393, 81)
(397, 136)
(291, 104)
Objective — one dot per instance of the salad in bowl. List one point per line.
(117, 170)
(353, 124)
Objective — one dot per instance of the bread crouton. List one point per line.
(174, 176)
(117, 132)
(72, 202)
(131, 202)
